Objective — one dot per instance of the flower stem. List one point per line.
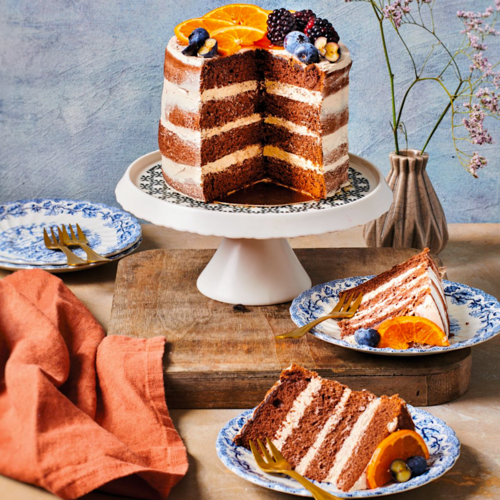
(443, 114)
(391, 76)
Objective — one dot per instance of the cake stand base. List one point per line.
(254, 273)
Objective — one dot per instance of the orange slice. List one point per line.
(399, 333)
(241, 15)
(400, 444)
(184, 29)
(231, 38)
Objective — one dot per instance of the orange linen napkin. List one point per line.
(78, 410)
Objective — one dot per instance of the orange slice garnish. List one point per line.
(241, 15)
(231, 38)
(398, 445)
(399, 333)
(184, 29)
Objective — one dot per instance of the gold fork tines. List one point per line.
(55, 244)
(275, 463)
(346, 307)
(82, 242)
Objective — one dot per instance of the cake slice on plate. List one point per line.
(326, 431)
(413, 288)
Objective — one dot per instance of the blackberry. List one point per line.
(279, 23)
(322, 27)
(302, 17)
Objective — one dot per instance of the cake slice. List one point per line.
(326, 431)
(413, 288)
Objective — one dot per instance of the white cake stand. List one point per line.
(254, 264)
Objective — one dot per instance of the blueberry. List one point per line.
(294, 39)
(417, 465)
(400, 472)
(196, 40)
(209, 48)
(191, 49)
(199, 35)
(307, 53)
(368, 337)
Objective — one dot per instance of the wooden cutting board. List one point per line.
(219, 357)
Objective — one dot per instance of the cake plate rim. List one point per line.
(251, 225)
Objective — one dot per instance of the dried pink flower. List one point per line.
(475, 125)
(476, 162)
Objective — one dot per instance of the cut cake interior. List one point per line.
(413, 288)
(229, 122)
(324, 429)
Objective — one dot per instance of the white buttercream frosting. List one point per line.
(193, 174)
(196, 136)
(299, 161)
(291, 126)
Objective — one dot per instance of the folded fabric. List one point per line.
(78, 410)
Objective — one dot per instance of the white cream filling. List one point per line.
(296, 412)
(312, 97)
(193, 174)
(292, 158)
(174, 95)
(335, 103)
(329, 426)
(352, 441)
(196, 136)
(361, 483)
(291, 126)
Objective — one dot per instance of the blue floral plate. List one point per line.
(474, 316)
(443, 444)
(69, 269)
(109, 230)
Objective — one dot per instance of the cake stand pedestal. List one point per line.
(254, 264)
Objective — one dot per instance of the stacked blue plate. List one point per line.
(110, 232)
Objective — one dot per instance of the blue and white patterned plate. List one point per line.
(443, 444)
(69, 269)
(109, 230)
(474, 316)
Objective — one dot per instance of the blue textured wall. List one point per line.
(80, 85)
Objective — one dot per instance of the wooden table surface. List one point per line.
(472, 257)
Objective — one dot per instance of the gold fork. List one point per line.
(277, 464)
(55, 244)
(345, 308)
(82, 242)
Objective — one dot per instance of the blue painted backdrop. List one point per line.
(80, 85)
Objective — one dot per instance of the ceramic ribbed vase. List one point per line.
(416, 218)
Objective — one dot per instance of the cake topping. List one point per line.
(294, 39)
(322, 27)
(241, 15)
(185, 29)
(302, 17)
(231, 39)
(400, 472)
(279, 23)
(332, 51)
(196, 40)
(307, 53)
(209, 48)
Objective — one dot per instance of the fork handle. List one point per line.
(300, 332)
(317, 492)
(73, 260)
(91, 255)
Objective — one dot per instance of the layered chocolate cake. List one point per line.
(259, 114)
(413, 288)
(326, 431)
